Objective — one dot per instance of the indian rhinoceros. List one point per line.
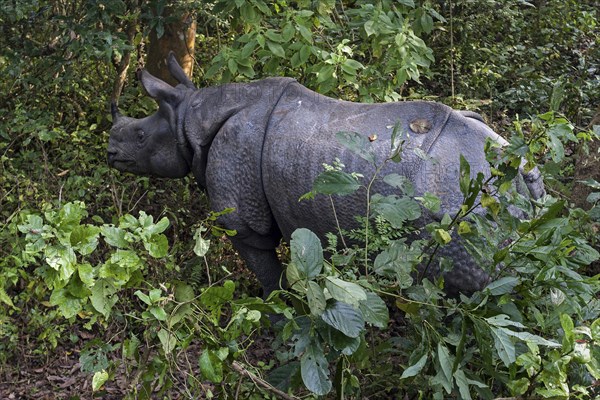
(258, 147)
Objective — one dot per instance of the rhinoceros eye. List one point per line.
(141, 135)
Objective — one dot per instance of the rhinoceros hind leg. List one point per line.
(263, 262)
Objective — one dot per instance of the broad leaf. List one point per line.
(374, 310)
(336, 182)
(68, 305)
(346, 292)
(306, 253)
(415, 368)
(103, 296)
(99, 379)
(357, 143)
(281, 377)
(344, 318)
(315, 370)
(316, 298)
(216, 296)
(502, 286)
(504, 346)
(168, 340)
(211, 366)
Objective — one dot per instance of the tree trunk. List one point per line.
(588, 166)
(178, 36)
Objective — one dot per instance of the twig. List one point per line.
(261, 382)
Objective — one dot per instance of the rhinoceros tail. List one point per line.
(472, 114)
(534, 182)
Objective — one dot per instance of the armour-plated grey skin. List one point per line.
(258, 147)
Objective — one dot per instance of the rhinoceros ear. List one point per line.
(158, 89)
(177, 72)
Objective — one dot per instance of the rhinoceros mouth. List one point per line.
(122, 164)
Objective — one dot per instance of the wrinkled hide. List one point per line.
(258, 147)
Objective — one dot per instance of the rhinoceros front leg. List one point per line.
(263, 262)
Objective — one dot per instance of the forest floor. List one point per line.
(58, 376)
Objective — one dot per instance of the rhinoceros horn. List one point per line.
(114, 111)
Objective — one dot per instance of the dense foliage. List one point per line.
(133, 274)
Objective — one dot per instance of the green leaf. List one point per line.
(305, 33)
(304, 54)
(396, 210)
(595, 330)
(120, 266)
(211, 366)
(530, 338)
(346, 292)
(446, 361)
(504, 346)
(68, 305)
(294, 279)
(63, 260)
(464, 228)
(157, 245)
(158, 313)
(336, 182)
(316, 298)
(463, 384)
(143, 297)
(442, 236)
(557, 149)
(114, 236)
(518, 387)
(84, 238)
(274, 36)
(344, 318)
(374, 310)
(281, 377)
(503, 320)
(159, 227)
(369, 27)
(5, 298)
(86, 274)
(415, 369)
(315, 370)
(216, 296)
(99, 380)
(276, 49)
(566, 322)
(306, 253)
(398, 261)
(168, 340)
(431, 202)
(342, 343)
(184, 292)
(400, 182)
(465, 177)
(288, 32)
(357, 143)
(502, 286)
(103, 296)
(202, 245)
(325, 73)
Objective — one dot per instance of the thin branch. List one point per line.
(261, 382)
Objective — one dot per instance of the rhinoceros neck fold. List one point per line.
(183, 144)
(214, 111)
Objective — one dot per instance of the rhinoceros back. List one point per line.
(301, 136)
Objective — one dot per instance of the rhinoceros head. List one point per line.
(153, 145)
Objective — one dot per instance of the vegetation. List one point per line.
(130, 281)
